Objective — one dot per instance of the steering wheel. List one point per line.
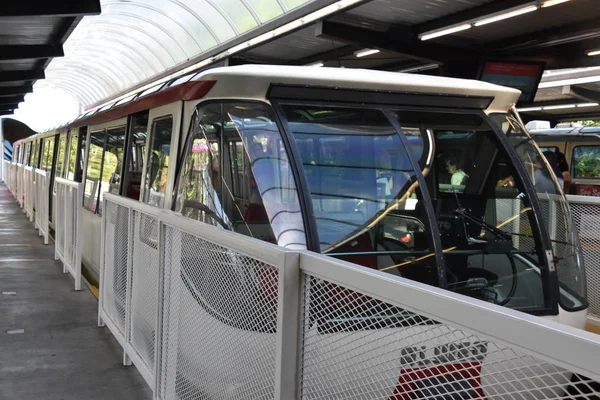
(195, 204)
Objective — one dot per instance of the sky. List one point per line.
(46, 108)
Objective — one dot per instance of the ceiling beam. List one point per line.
(14, 90)
(12, 99)
(550, 37)
(63, 8)
(328, 55)
(30, 52)
(9, 106)
(470, 14)
(582, 93)
(16, 76)
(406, 45)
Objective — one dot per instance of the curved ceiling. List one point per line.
(134, 40)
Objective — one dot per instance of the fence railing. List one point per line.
(206, 313)
(68, 240)
(42, 203)
(586, 216)
(29, 191)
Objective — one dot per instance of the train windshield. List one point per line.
(556, 213)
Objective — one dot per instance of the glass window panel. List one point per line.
(94, 170)
(112, 163)
(72, 156)
(239, 14)
(266, 9)
(48, 154)
(586, 162)
(556, 214)
(158, 163)
(137, 152)
(60, 159)
(294, 3)
(219, 25)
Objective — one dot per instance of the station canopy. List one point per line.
(133, 41)
(135, 44)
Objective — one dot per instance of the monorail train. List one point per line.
(431, 179)
(581, 149)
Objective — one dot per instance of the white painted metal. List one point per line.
(41, 203)
(68, 239)
(174, 111)
(208, 342)
(29, 191)
(586, 216)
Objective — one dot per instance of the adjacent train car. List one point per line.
(396, 172)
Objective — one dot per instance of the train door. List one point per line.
(161, 148)
(104, 162)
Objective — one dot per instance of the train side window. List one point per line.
(48, 154)
(246, 187)
(112, 163)
(60, 159)
(25, 159)
(135, 158)
(158, 161)
(72, 156)
(94, 170)
(586, 162)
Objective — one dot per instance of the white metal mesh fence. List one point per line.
(220, 321)
(355, 346)
(68, 242)
(18, 179)
(209, 314)
(116, 258)
(586, 215)
(41, 203)
(29, 191)
(144, 287)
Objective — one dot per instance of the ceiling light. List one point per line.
(566, 82)
(594, 53)
(316, 64)
(551, 3)
(366, 52)
(559, 107)
(510, 14)
(529, 109)
(587, 105)
(443, 32)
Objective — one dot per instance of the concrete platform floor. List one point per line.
(50, 346)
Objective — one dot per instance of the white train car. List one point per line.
(432, 179)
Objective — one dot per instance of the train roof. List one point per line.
(569, 131)
(259, 77)
(253, 81)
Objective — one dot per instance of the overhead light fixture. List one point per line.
(316, 64)
(567, 82)
(561, 106)
(529, 109)
(551, 3)
(594, 53)
(443, 32)
(366, 52)
(587, 105)
(502, 16)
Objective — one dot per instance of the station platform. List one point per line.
(51, 347)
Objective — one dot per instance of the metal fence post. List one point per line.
(78, 236)
(102, 266)
(288, 328)
(159, 316)
(128, 275)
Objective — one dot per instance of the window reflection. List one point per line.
(237, 175)
(158, 161)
